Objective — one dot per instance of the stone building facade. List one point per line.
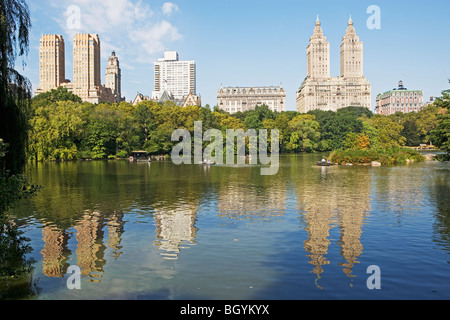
(113, 77)
(320, 91)
(235, 99)
(399, 100)
(52, 70)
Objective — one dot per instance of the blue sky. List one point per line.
(252, 42)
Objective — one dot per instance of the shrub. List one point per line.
(389, 156)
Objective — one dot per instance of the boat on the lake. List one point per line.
(325, 164)
(207, 163)
(140, 156)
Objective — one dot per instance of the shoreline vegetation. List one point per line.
(63, 128)
(376, 157)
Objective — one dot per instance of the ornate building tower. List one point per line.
(351, 54)
(318, 54)
(320, 91)
(113, 77)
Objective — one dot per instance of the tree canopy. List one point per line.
(15, 90)
(64, 128)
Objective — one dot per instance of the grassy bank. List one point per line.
(391, 156)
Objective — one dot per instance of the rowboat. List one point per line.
(140, 156)
(325, 164)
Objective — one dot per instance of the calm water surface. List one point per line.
(160, 231)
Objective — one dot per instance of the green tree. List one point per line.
(444, 101)
(99, 138)
(254, 118)
(427, 120)
(305, 136)
(129, 134)
(55, 95)
(208, 119)
(15, 90)
(384, 132)
(441, 134)
(357, 141)
(336, 125)
(411, 131)
(13, 246)
(56, 131)
(282, 123)
(144, 118)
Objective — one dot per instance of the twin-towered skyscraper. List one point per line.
(320, 91)
(86, 69)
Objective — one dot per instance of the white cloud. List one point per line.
(169, 7)
(130, 27)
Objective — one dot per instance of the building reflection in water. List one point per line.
(90, 250)
(175, 228)
(332, 197)
(115, 230)
(241, 199)
(318, 224)
(55, 252)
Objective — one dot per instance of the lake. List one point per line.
(164, 232)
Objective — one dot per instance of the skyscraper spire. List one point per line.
(113, 77)
(351, 53)
(318, 29)
(318, 54)
(351, 32)
(319, 90)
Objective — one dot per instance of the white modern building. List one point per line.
(176, 77)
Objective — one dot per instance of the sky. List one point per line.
(251, 42)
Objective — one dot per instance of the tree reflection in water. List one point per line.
(16, 269)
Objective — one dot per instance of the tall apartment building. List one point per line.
(235, 99)
(86, 69)
(86, 66)
(52, 70)
(176, 77)
(321, 91)
(399, 100)
(113, 77)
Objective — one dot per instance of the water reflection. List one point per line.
(55, 253)
(439, 195)
(335, 198)
(115, 231)
(244, 195)
(16, 267)
(90, 247)
(95, 214)
(175, 229)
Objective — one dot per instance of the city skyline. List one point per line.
(255, 51)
